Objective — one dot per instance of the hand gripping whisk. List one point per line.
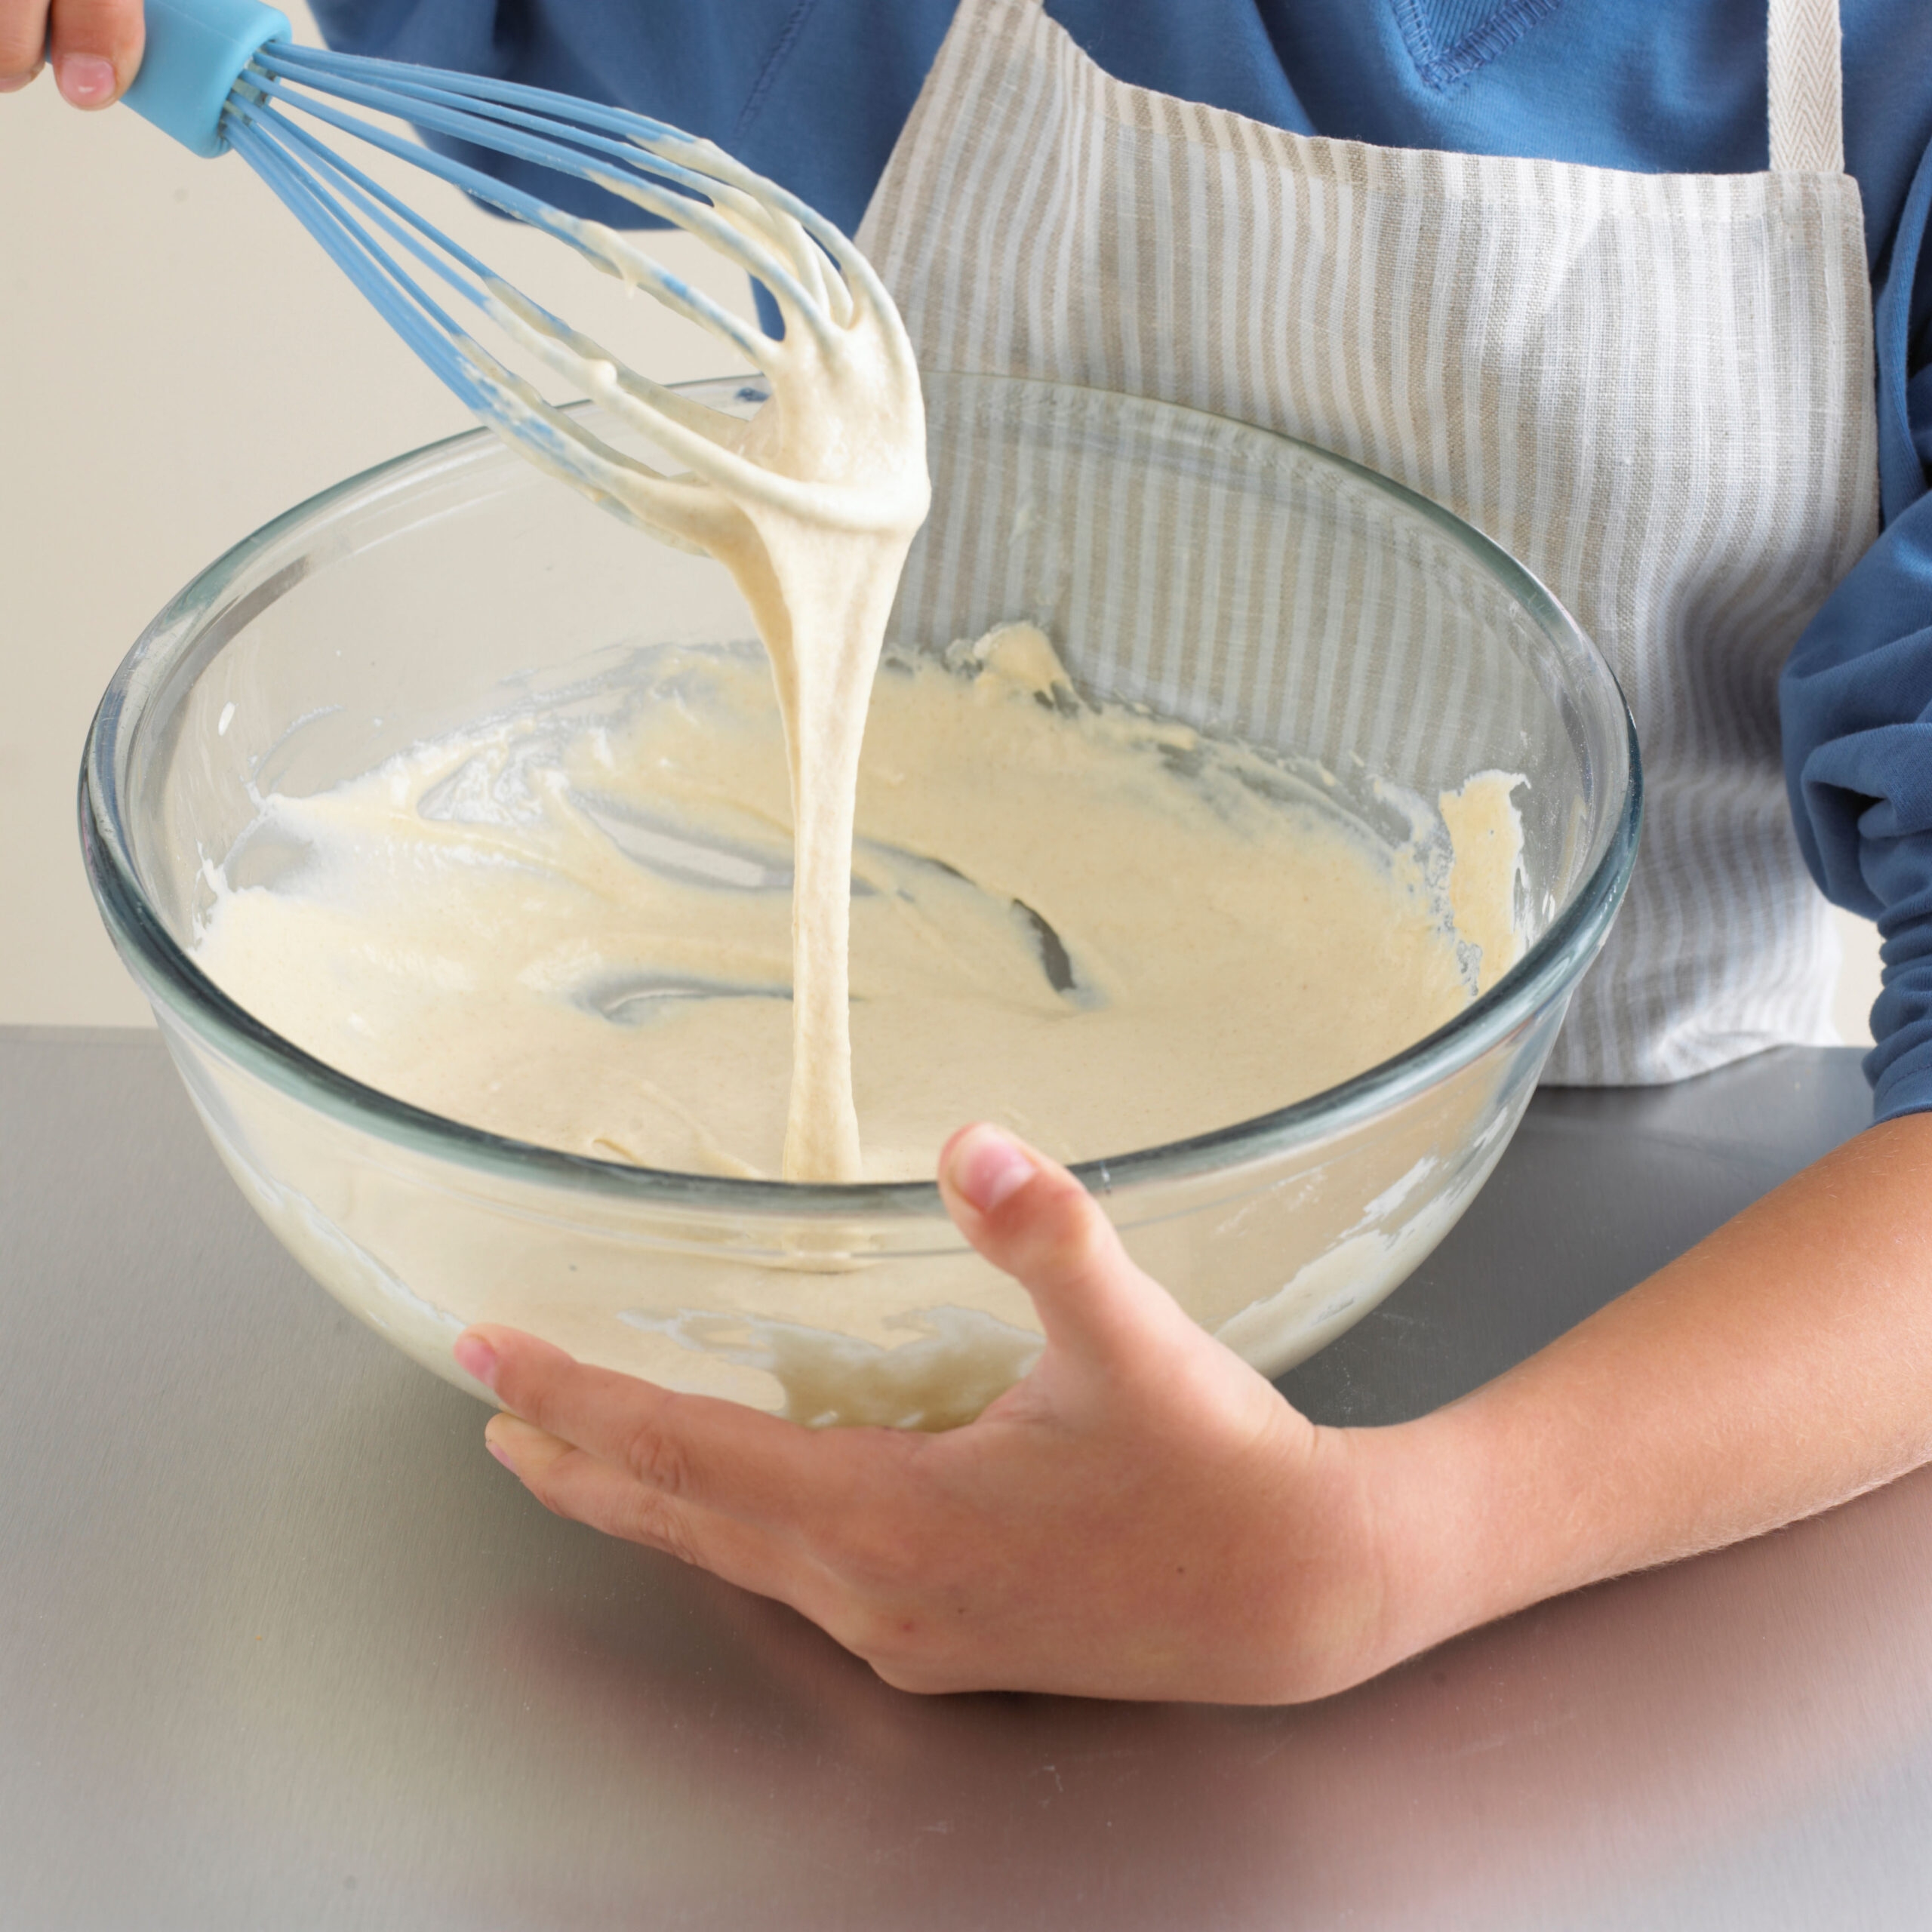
(222, 74)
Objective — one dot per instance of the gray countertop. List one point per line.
(281, 1646)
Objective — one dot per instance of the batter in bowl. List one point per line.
(1098, 928)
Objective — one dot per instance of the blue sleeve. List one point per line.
(1856, 696)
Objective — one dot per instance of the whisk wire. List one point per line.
(564, 147)
(401, 302)
(573, 118)
(478, 379)
(692, 304)
(328, 196)
(390, 212)
(225, 73)
(338, 203)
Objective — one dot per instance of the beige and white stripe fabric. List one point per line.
(1807, 87)
(1655, 390)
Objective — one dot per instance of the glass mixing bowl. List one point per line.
(1218, 574)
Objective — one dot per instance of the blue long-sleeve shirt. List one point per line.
(813, 93)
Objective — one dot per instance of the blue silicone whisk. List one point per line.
(221, 74)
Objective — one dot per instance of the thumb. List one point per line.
(96, 47)
(1028, 1216)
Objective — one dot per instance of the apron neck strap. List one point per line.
(1808, 88)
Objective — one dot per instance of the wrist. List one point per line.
(1366, 1558)
(1439, 1529)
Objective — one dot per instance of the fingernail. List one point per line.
(13, 83)
(502, 1454)
(987, 1167)
(475, 1357)
(86, 80)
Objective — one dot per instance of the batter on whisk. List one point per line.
(811, 505)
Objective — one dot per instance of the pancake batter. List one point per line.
(1100, 930)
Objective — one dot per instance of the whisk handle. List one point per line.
(196, 49)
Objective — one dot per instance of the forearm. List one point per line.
(1783, 1365)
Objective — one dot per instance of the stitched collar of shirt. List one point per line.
(1449, 40)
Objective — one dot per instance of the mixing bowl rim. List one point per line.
(176, 984)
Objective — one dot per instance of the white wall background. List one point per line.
(181, 363)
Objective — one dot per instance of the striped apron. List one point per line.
(1654, 390)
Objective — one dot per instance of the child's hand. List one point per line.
(95, 46)
(1142, 1516)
